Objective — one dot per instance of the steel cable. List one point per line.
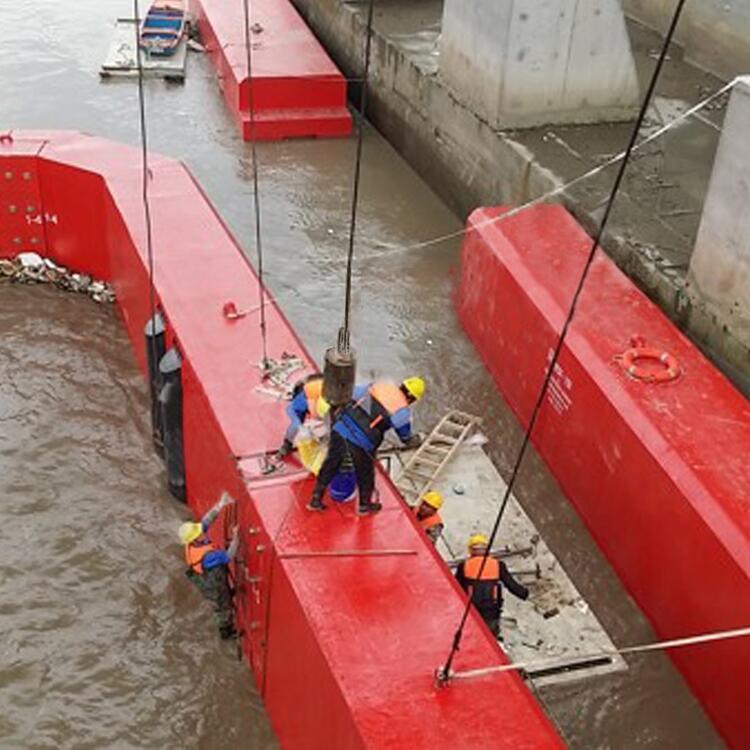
(256, 191)
(344, 337)
(145, 176)
(445, 670)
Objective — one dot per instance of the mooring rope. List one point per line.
(256, 190)
(445, 670)
(541, 664)
(393, 249)
(344, 336)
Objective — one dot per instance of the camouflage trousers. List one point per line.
(213, 585)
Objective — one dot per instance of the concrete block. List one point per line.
(524, 63)
(720, 265)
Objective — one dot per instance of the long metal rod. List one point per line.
(456, 644)
(540, 664)
(343, 343)
(349, 553)
(256, 189)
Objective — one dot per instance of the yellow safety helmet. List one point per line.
(189, 532)
(415, 387)
(322, 407)
(434, 499)
(478, 540)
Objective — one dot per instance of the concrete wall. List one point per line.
(714, 33)
(720, 266)
(523, 63)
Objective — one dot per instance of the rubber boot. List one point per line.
(285, 449)
(369, 507)
(316, 503)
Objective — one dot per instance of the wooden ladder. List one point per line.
(419, 472)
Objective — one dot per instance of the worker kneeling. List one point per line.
(428, 515)
(207, 566)
(485, 588)
(358, 431)
(307, 401)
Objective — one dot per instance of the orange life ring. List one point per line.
(629, 361)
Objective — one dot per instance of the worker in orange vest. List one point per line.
(485, 588)
(428, 515)
(306, 401)
(357, 432)
(207, 565)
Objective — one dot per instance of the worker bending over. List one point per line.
(207, 566)
(428, 515)
(486, 590)
(307, 400)
(358, 431)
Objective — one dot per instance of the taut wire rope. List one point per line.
(344, 336)
(145, 177)
(445, 670)
(256, 191)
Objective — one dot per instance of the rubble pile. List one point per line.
(30, 268)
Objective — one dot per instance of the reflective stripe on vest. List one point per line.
(194, 554)
(430, 521)
(313, 391)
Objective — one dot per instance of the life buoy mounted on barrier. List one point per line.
(647, 364)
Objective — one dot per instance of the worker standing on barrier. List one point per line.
(428, 515)
(207, 566)
(358, 431)
(486, 590)
(307, 400)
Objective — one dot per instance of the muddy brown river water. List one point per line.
(104, 644)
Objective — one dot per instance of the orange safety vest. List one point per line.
(313, 392)
(389, 395)
(194, 555)
(430, 521)
(491, 571)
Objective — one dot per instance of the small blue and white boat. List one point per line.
(163, 27)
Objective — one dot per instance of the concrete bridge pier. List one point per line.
(524, 63)
(720, 266)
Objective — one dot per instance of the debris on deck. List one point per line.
(555, 623)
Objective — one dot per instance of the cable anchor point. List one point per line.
(443, 677)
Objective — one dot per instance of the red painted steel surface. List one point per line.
(343, 650)
(297, 91)
(659, 472)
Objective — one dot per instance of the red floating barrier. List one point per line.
(647, 439)
(343, 647)
(297, 90)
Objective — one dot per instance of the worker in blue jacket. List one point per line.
(358, 431)
(207, 565)
(306, 401)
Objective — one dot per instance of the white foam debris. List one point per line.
(30, 268)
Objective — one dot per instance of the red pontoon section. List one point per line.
(343, 648)
(658, 471)
(297, 91)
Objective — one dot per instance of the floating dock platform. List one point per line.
(297, 91)
(657, 470)
(121, 60)
(344, 620)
